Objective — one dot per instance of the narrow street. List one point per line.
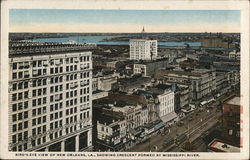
(194, 128)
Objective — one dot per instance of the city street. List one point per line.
(194, 128)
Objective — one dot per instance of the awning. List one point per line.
(169, 117)
(159, 125)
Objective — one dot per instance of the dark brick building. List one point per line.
(231, 120)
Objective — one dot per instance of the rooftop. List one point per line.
(33, 48)
(234, 101)
(108, 119)
(223, 147)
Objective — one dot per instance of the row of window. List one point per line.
(71, 94)
(20, 85)
(55, 125)
(56, 106)
(38, 111)
(56, 97)
(38, 130)
(39, 101)
(40, 72)
(39, 92)
(20, 75)
(71, 111)
(56, 88)
(56, 115)
(39, 120)
(20, 137)
(20, 126)
(38, 141)
(39, 82)
(71, 102)
(20, 65)
(56, 79)
(20, 116)
(56, 70)
(40, 63)
(19, 106)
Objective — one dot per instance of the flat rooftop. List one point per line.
(234, 101)
(223, 147)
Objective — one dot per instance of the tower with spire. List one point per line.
(143, 30)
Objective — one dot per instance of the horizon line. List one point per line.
(128, 32)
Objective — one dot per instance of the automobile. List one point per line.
(181, 138)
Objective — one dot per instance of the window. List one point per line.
(44, 119)
(25, 135)
(39, 92)
(26, 84)
(33, 122)
(44, 71)
(44, 81)
(34, 112)
(20, 96)
(20, 116)
(44, 91)
(14, 107)
(14, 75)
(14, 128)
(14, 66)
(33, 131)
(14, 86)
(34, 102)
(20, 126)
(26, 94)
(14, 97)
(25, 115)
(14, 139)
(44, 100)
(20, 106)
(39, 120)
(20, 74)
(25, 124)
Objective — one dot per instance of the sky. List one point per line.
(62, 20)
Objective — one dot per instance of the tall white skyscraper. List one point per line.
(50, 98)
(141, 49)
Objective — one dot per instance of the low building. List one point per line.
(220, 146)
(163, 98)
(148, 68)
(111, 133)
(202, 81)
(103, 82)
(130, 84)
(165, 102)
(231, 120)
(134, 116)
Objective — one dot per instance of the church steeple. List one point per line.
(143, 30)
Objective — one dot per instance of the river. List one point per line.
(99, 40)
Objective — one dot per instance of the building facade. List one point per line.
(231, 120)
(141, 49)
(50, 99)
(203, 81)
(148, 68)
